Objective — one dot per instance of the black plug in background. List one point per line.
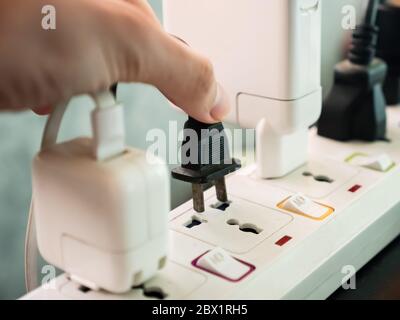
(355, 109)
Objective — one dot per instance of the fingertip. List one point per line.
(42, 110)
(221, 106)
(216, 113)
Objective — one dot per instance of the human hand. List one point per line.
(95, 44)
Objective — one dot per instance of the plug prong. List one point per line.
(198, 197)
(220, 187)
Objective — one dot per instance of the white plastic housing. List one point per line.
(266, 55)
(104, 223)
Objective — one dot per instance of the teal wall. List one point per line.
(20, 138)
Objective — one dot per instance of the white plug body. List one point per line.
(103, 222)
(266, 55)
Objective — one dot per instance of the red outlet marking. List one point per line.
(355, 188)
(281, 242)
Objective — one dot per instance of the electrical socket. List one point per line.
(171, 283)
(317, 179)
(237, 228)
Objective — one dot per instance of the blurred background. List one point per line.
(20, 136)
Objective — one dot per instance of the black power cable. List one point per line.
(365, 37)
(372, 13)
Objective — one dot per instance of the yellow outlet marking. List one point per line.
(329, 210)
(350, 158)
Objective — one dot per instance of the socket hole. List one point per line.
(155, 293)
(139, 287)
(162, 263)
(318, 178)
(250, 228)
(221, 205)
(233, 222)
(194, 222)
(307, 174)
(324, 179)
(84, 289)
(247, 227)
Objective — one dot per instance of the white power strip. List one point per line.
(290, 256)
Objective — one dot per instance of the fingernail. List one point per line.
(221, 104)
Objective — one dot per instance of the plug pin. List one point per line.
(198, 197)
(220, 187)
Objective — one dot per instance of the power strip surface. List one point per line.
(288, 255)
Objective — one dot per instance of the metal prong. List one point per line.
(198, 197)
(220, 187)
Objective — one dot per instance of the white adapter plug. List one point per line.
(101, 209)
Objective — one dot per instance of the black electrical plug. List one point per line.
(389, 49)
(355, 109)
(205, 160)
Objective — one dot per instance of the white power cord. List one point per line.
(108, 141)
(31, 253)
(31, 249)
